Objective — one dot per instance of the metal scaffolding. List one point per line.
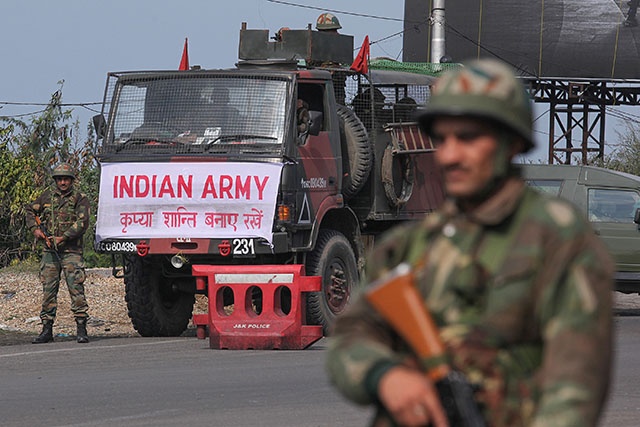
(577, 114)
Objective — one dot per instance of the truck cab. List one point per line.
(289, 158)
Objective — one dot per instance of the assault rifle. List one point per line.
(396, 298)
(48, 239)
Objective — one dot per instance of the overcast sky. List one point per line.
(80, 41)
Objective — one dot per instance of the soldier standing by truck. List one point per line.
(60, 217)
(517, 282)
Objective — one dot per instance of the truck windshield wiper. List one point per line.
(239, 137)
(139, 141)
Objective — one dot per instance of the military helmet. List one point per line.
(63, 169)
(327, 21)
(483, 88)
(280, 31)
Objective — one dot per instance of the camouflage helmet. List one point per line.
(483, 88)
(63, 169)
(327, 21)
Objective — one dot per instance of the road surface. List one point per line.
(180, 381)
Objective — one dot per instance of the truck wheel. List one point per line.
(332, 259)
(155, 308)
(357, 152)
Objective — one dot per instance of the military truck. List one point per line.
(287, 158)
(610, 200)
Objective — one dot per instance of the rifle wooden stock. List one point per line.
(396, 298)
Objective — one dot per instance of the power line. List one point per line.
(361, 15)
(15, 116)
(31, 104)
(364, 15)
(85, 105)
(540, 115)
(486, 49)
(342, 12)
(624, 115)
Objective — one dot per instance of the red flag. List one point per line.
(361, 63)
(184, 62)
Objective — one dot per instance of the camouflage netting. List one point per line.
(427, 68)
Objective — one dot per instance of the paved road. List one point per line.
(623, 409)
(180, 381)
(167, 382)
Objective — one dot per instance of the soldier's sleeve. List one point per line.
(576, 314)
(31, 211)
(362, 346)
(81, 224)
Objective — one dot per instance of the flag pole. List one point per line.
(437, 32)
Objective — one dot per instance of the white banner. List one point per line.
(187, 200)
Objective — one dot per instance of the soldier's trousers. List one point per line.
(72, 272)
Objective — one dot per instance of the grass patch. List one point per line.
(30, 265)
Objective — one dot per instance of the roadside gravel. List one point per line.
(20, 295)
(20, 299)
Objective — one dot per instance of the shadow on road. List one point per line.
(626, 312)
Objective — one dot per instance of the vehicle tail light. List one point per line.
(284, 213)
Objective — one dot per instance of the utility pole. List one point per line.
(437, 31)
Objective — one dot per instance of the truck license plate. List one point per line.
(243, 247)
(117, 246)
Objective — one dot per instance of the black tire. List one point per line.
(155, 308)
(357, 152)
(332, 259)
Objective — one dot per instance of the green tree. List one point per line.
(28, 151)
(626, 156)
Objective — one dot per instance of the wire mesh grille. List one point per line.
(380, 105)
(192, 113)
(161, 114)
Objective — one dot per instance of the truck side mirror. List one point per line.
(315, 122)
(636, 217)
(99, 124)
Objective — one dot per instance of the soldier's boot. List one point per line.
(81, 334)
(46, 335)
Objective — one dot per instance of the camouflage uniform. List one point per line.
(520, 288)
(63, 215)
(522, 293)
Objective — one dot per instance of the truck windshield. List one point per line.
(212, 114)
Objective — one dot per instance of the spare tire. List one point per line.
(357, 152)
(397, 182)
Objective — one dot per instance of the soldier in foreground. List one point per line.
(60, 217)
(517, 282)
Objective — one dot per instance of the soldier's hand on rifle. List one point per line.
(40, 235)
(411, 398)
(58, 240)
